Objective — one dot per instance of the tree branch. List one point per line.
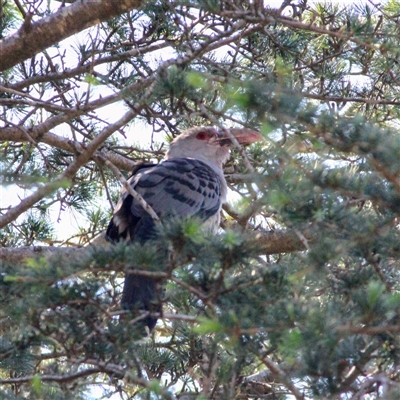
(64, 378)
(68, 174)
(271, 242)
(33, 38)
(137, 196)
(282, 377)
(88, 67)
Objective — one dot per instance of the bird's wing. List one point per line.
(178, 187)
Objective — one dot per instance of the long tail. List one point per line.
(140, 293)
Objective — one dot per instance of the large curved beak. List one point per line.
(244, 136)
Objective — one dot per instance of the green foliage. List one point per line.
(321, 83)
(8, 18)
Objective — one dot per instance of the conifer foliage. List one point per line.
(298, 294)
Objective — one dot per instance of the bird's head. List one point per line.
(208, 144)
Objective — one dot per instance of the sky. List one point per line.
(140, 132)
(70, 221)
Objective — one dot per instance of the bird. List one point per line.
(188, 183)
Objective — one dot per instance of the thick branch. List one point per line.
(52, 378)
(68, 174)
(17, 255)
(276, 242)
(33, 38)
(272, 242)
(16, 134)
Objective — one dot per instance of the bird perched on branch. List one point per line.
(189, 182)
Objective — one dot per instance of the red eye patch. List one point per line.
(202, 136)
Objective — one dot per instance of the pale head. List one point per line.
(208, 144)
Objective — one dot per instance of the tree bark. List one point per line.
(32, 38)
(65, 177)
(270, 242)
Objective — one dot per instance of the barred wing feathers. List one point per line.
(178, 187)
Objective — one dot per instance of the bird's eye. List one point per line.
(202, 136)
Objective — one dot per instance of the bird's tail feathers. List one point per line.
(141, 293)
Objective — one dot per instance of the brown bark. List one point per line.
(80, 159)
(39, 134)
(276, 242)
(32, 38)
(271, 242)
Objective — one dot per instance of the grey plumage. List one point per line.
(188, 183)
(181, 187)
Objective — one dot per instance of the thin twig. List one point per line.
(103, 178)
(226, 131)
(137, 196)
(68, 174)
(282, 376)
